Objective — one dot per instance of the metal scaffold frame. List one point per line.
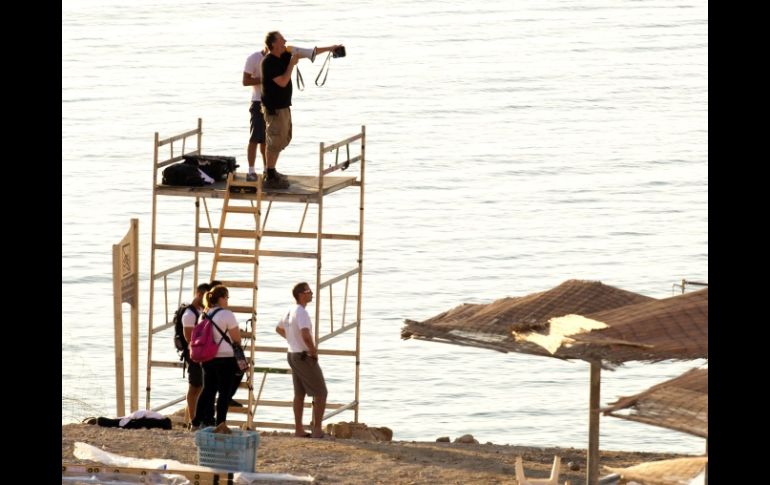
(304, 189)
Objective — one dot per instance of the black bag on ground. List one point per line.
(182, 174)
(215, 166)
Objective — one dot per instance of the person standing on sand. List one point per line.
(194, 370)
(307, 376)
(218, 373)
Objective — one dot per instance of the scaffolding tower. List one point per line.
(236, 249)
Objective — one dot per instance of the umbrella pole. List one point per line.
(592, 468)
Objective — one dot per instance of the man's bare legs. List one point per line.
(193, 393)
(319, 406)
(251, 155)
(298, 406)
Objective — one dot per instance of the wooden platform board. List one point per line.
(303, 188)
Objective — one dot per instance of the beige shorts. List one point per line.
(306, 375)
(277, 129)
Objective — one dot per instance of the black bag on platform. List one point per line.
(182, 174)
(215, 166)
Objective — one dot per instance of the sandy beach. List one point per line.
(350, 461)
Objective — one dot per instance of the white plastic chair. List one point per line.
(553, 480)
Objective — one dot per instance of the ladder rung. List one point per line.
(237, 259)
(243, 233)
(243, 209)
(239, 284)
(242, 182)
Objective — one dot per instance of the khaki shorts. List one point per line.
(278, 129)
(306, 375)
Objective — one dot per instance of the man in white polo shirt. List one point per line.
(308, 379)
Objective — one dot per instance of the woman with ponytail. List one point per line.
(218, 373)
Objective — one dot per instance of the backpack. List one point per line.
(203, 348)
(182, 174)
(179, 341)
(215, 166)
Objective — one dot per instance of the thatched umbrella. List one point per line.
(679, 471)
(583, 320)
(681, 404)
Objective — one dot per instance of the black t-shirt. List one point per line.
(273, 95)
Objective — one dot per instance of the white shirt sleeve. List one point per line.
(189, 319)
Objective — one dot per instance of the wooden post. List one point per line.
(319, 236)
(706, 476)
(120, 395)
(153, 225)
(135, 317)
(592, 467)
(360, 270)
(125, 288)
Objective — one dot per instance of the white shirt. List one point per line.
(295, 319)
(252, 68)
(189, 319)
(225, 319)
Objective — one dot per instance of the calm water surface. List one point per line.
(510, 146)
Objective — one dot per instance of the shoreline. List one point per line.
(351, 461)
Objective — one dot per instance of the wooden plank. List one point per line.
(277, 254)
(242, 209)
(239, 233)
(173, 160)
(342, 165)
(272, 370)
(311, 235)
(117, 309)
(198, 477)
(237, 259)
(353, 404)
(163, 327)
(337, 332)
(180, 136)
(339, 278)
(174, 269)
(288, 254)
(342, 143)
(320, 351)
(288, 404)
(238, 284)
(360, 266)
(164, 363)
(240, 308)
(303, 188)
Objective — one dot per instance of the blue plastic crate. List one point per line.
(235, 452)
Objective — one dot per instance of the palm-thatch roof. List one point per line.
(670, 328)
(493, 325)
(679, 471)
(680, 404)
(578, 320)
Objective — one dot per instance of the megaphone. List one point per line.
(302, 52)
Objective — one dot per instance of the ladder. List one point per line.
(249, 256)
